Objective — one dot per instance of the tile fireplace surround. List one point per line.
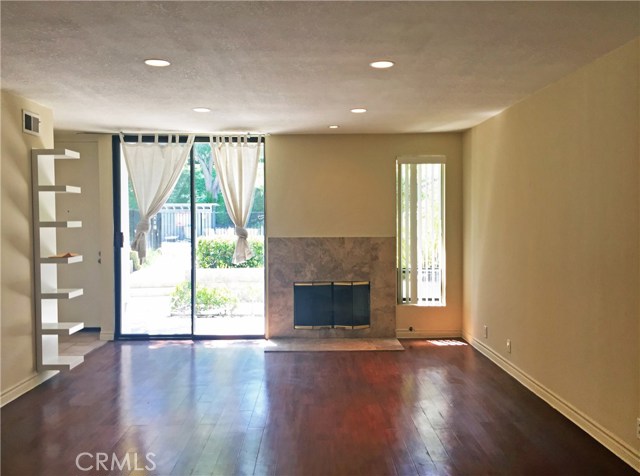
(293, 260)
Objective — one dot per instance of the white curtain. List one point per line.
(236, 164)
(154, 169)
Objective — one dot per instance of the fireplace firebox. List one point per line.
(331, 304)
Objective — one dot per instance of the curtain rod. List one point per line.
(182, 137)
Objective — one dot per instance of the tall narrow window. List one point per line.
(421, 239)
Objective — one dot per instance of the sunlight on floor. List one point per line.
(446, 342)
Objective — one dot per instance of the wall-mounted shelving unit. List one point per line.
(47, 259)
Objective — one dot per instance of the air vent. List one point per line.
(30, 123)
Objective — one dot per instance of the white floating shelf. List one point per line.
(60, 224)
(69, 260)
(61, 293)
(57, 153)
(59, 188)
(62, 362)
(44, 193)
(61, 328)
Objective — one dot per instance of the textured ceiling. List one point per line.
(297, 67)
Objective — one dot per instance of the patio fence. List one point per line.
(429, 284)
(173, 223)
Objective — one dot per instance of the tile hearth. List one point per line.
(332, 345)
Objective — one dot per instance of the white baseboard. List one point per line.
(427, 334)
(627, 453)
(23, 387)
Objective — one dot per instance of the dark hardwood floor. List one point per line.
(226, 408)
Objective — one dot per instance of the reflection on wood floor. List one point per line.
(226, 408)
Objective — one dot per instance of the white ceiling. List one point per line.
(297, 67)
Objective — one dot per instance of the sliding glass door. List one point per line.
(229, 299)
(187, 285)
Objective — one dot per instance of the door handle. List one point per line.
(118, 240)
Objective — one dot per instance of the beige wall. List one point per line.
(93, 172)
(552, 240)
(344, 186)
(18, 351)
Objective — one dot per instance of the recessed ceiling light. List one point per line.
(358, 110)
(333, 127)
(201, 109)
(382, 64)
(158, 63)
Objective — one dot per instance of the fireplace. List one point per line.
(351, 282)
(326, 305)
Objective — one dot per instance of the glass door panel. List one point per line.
(156, 291)
(229, 299)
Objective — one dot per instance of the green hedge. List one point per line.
(218, 253)
(133, 257)
(216, 301)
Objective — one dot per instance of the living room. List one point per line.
(542, 201)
